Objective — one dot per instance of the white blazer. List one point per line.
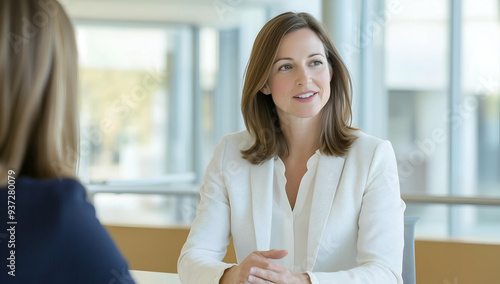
(356, 225)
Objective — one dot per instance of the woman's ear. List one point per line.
(266, 90)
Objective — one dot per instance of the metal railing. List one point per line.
(452, 200)
(192, 190)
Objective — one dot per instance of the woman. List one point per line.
(306, 197)
(48, 232)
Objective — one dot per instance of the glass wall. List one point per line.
(155, 100)
(479, 115)
(446, 140)
(417, 76)
(136, 102)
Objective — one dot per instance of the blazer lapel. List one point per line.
(327, 180)
(261, 179)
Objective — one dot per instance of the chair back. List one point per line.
(409, 251)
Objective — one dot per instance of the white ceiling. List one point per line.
(198, 12)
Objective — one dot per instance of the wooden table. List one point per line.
(148, 277)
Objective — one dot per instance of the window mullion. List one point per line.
(454, 105)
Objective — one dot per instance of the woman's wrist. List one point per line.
(304, 278)
(226, 276)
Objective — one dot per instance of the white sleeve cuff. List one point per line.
(313, 278)
(222, 270)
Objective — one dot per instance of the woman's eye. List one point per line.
(285, 67)
(316, 63)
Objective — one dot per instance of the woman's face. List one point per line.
(300, 76)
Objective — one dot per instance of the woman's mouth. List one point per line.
(306, 97)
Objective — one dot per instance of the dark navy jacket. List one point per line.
(56, 237)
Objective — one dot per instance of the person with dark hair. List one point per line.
(306, 197)
(49, 232)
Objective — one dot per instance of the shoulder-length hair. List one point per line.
(259, 111)
(38, 90)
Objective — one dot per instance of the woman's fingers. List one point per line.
(259, 274)
(258, 268)
(273, 254)
(256, 280)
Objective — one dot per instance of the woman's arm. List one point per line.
(201, 256)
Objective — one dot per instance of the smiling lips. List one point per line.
(306, 96)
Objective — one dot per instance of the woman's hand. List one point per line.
(257, 268)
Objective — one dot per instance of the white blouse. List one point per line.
(290, 228)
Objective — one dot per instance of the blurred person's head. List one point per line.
(259, 109)
(38, 90)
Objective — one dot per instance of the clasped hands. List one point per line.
(257, 268)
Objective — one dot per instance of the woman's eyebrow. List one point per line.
(314, 54)
(289, 58)
(285, 58)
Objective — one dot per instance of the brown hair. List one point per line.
(38, 90)
(259, 111)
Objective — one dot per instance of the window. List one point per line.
(443, 83)
(417, 48)
(479, 112)
(136, 102)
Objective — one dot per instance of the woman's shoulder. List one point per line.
(49, 183)
(56, 188)
(55, 218)
(366, 139)
(365, 143)
(236, 137)
(50, 196)
(231, 145)
(237, 141)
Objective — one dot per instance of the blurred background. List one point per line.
(161, 83)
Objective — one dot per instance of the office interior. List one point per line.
(161, 82)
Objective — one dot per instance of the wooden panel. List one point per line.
(154, 249)
(456, 262)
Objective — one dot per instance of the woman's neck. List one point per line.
(302, 135)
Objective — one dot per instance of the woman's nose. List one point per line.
(303, 77)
